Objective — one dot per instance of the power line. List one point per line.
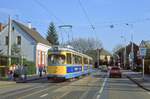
(92, 26)
(86, 15)
(48, 10)
(88, 18)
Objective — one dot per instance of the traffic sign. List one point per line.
(143, 52)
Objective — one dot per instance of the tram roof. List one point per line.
(69, 50)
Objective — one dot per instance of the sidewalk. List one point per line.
(137, 78)
(4, 83)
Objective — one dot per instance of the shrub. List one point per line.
(31, 66)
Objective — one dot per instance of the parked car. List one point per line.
(115, 72)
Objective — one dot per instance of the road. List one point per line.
(94, 86)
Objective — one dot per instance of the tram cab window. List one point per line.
(56, 59)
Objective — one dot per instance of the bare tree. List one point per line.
(84, 44)
(116, 48)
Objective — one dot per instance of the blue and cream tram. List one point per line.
(67, 63)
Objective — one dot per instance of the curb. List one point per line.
(137, 83)
(24, 81)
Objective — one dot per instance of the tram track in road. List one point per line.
(45, 88)
(7, 85)
(29, 91)
(16, 94)
(49, 91)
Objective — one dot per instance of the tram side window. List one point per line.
(68, 58)
(79, 60)
(85, 61)
(73, 59)
(76, 59)
(90, 61)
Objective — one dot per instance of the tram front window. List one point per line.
(56, 59)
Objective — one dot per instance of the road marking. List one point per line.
(98, 96)
(21, 92)
(36, 92)
(102, 88)
(44, 95)
(33, 93)
(149, 93)
(64, 95)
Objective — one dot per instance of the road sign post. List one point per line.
(143, 67)
(143, 54)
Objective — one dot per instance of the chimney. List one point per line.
(29, 25)
(1, 27)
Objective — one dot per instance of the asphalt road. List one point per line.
(94, 86)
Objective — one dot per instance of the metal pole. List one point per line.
(9, 41)
(68, 38)
(143, 67)
(125, 56)
(132, 50)
(124, 51)
(63, 27)
(98, 55)
(62, 41)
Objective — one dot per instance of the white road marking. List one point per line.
(64, 95)
(102, 88)
(98, 96)
(149, 93)
(35, 92)
(44, 95)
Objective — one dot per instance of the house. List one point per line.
(127, 59)
(33, 47)
(105, 57)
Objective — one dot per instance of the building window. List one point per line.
(6, 40)
(19, 40)
(13, 28)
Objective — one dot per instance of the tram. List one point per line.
(66, 63)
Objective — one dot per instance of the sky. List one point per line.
(128, 17)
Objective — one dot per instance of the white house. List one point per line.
(33, 46)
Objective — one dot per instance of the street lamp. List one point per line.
(132, 46)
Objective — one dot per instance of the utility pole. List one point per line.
(125, 51)
(9, 41)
